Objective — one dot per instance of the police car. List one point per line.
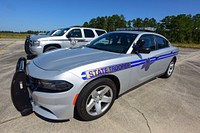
(70, 37)
(86, 81)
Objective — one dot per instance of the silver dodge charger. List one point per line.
(85, 81)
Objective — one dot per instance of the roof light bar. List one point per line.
(137, 29)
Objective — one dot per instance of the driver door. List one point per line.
(149, 68)
(145, 63)
(75, 37)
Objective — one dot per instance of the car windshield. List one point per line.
(46, 33)
(50, 32)
(113, 42)
(61, 32)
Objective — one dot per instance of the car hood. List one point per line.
(66, 59)
(35, 37)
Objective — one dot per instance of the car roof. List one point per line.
(86, 28)
(139, 32)
(135, 32)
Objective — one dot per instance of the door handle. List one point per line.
(81, 40)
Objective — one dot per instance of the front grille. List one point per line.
(32, 83)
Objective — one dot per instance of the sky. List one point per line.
(41, 15)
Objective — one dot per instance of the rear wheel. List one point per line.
(170, 69)
(96, 99)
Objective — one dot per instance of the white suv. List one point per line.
(75, 36)
(35, 37)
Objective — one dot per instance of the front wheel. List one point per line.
(26, 47)
(96, 99)
(49, 48)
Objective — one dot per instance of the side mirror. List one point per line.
(140, 43)
(137, 49)
(69, 35)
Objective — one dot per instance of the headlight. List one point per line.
(53, 85)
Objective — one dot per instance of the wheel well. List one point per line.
(174, 59)
(114, 79)
(56, 45)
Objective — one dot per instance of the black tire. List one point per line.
(26, 47)
(100, 94)
(49, 48)
(169, 70)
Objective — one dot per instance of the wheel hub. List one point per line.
(99, 100)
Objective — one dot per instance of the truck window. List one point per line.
(100, 32)
(88, 33)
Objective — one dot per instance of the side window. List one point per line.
(100, 32)
(75, 33)
(161, 42)
(148, 41)
(88, 33)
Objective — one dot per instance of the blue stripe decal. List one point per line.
(114, 68)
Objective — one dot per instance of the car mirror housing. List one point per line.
(137, 50)
(69, 36)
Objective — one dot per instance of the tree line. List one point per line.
(26, 32)
(182, 28)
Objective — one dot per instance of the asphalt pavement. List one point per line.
(159, 106)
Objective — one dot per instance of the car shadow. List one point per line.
(50, 120)
(136, 87)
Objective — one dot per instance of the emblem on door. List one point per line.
(147, 64)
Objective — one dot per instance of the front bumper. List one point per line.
(36, 50)
(56, 106)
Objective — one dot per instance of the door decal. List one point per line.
(147, 64)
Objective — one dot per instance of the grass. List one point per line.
(13, 35)
(187, 45)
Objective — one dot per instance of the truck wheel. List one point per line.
(96, 99)
(50, 48)
(26, 47)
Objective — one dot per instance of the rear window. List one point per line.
(100, 32)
